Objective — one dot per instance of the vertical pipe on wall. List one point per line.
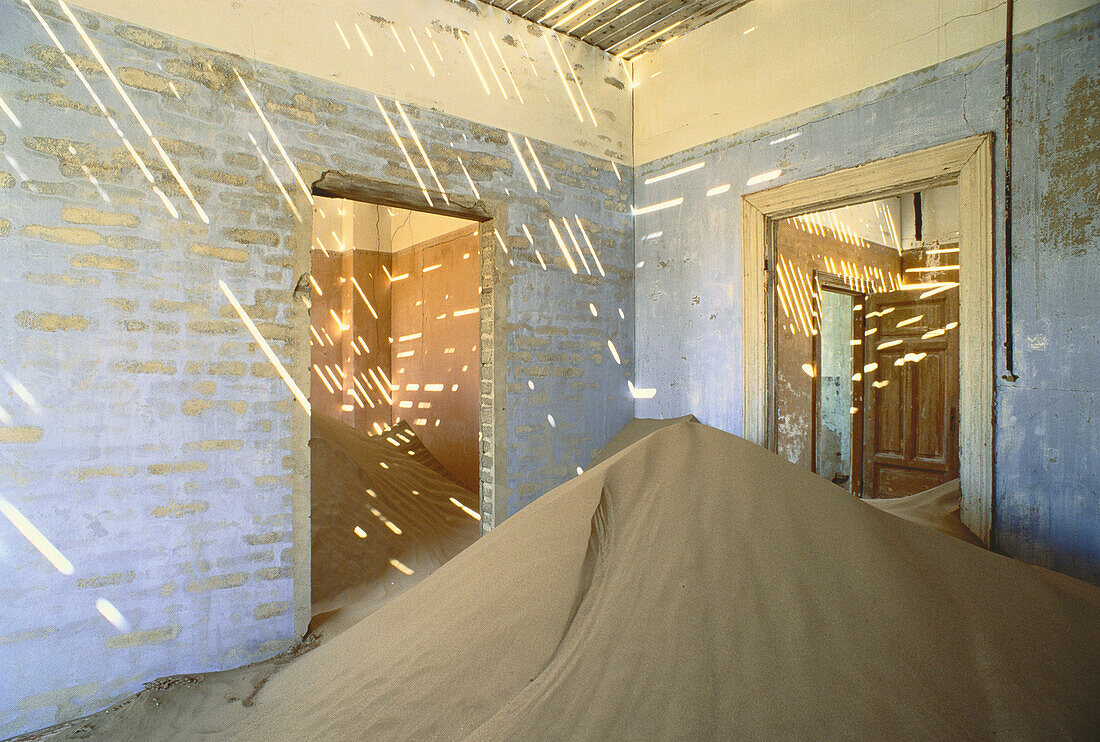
(1009, 375)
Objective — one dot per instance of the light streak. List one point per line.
(658, 206)
(576, 245)
(492, 67)
(360, 532)
(432, 267)
(23, 393)
(413, 336)
(911, 320)
(541, 261)
(500, 241)
(718, 190)
(10, 113)
(564, 249)
(274, 137)
(644, 41)
(342, 36)
(527, 56)
(421, 50)
(419, 146)
(364, 40)
(313, 282)
(614, 352)
(324, 381)
(472, 513)
(400, 567)
(588, 242)
(335, 381)
(279, 183)
(507, 71)
(592, 308)
(378, 385)
(365, 301)
(577, 82)
(633, 7)
(302, 400)
(616, 169)
(748, 31)
(470, 54)
(523, 163)
(133, 109)
(538, 163)
(38, 541)
(400, 43)
(404, 151)
(339, 323)
(644, 393)
(469, 179)
(113, 615)
(527, 232)
(564, 82)
(786, 138)
(574, 13)
(674, 173)
(763, 177)
(464, 312)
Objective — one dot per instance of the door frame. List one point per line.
(826, 281)
(492, 214)
(969, 164)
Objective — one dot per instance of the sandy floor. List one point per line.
(691, 586)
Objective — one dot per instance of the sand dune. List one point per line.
(377, 499)
(691, 586)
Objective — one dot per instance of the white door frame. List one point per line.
(968, 163)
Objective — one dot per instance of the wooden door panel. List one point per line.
(885, 395)
(911, 392)
(931, 406)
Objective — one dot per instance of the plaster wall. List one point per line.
(160, 453)
(774, 58)
(418, 54)
(689, 285)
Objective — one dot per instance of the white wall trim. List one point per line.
(967, 162)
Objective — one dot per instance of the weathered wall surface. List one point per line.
(1046, 439)
(435, 348)
(160, 452)
(768, 60)
(469, 59)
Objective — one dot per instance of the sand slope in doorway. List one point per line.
(377, 499)
(692, 586)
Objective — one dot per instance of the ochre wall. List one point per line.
(437, 385)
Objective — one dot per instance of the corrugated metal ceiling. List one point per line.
(626, 28)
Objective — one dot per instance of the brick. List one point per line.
(218, 582)
(270, 610)
(179, 509)
(230, 254)
(177, 467)
(65, 235)
(20, 434)
(51, 322)
(145, 367)
(141, 638)
(90, 260)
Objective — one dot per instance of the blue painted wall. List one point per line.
(1047, 436)
(160, 455)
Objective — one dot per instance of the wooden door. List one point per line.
(910, 392)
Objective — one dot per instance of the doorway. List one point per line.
(866, 336)
(966, 163)
(394, 304)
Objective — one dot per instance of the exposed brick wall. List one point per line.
(168, 461)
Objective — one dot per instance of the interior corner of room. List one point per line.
(428, 353)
